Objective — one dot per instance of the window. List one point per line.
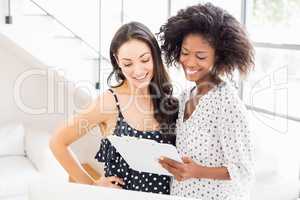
(275, 82)
(177, 5)
(275, 21)
(274, 29)
(233, 7)
(110, 22)
(153, 15)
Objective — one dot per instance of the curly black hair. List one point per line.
(233, 49)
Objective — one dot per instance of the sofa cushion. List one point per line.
(39, 153)
(12, 139)
(16, 172)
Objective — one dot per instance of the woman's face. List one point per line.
(135, 60)
(197, 58)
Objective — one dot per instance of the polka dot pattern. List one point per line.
(216, 135)
(115, 165)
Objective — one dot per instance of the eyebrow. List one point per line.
(139, 56)
(195, 51)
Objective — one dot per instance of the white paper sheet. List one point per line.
(143, 154)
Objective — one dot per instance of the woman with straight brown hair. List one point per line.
(139, 105)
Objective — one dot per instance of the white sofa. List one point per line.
(25, 158)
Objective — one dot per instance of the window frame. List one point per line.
(244, 13)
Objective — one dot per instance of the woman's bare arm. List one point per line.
(98, 112)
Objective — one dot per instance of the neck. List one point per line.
(205, 84)
(137, 91)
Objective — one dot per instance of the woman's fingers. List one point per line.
(170, 162)
(165, 166)
(177, 172)
(187, 159)
(116, 180)
(172, 165)
(172, 170)
(113, 185)
(112, 181)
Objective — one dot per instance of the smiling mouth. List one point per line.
(140, 78)
(190, 72)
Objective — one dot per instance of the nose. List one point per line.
(138, 71)
(189, 61)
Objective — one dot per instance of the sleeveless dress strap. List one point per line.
(116, 99)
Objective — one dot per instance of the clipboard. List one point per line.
(143, 154)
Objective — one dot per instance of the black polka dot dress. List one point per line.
(216, 134)
(115, 165)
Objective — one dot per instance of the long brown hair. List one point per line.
(165, 105)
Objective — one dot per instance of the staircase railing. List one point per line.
(76, 36)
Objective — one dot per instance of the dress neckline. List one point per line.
(134, 129)
(121, 117)
(201, 99)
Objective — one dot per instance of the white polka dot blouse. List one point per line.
(216, 135)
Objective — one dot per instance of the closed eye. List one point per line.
(201, 58)
(127, 65)
(184, 53)
(145, 60)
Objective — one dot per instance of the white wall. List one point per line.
(3, 10)
(35, 92)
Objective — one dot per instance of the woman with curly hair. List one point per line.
(213, 135)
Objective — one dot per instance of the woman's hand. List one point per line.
(112, 182)
(182, 171)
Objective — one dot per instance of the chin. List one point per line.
(191, 78)
(196, 77)
(141, 85)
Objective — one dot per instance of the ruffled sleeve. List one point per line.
(106, 152)
(236, 140)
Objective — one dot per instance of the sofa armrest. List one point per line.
(38, 152)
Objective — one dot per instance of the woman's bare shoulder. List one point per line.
(106, 103)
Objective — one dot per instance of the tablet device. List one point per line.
(143, 154)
